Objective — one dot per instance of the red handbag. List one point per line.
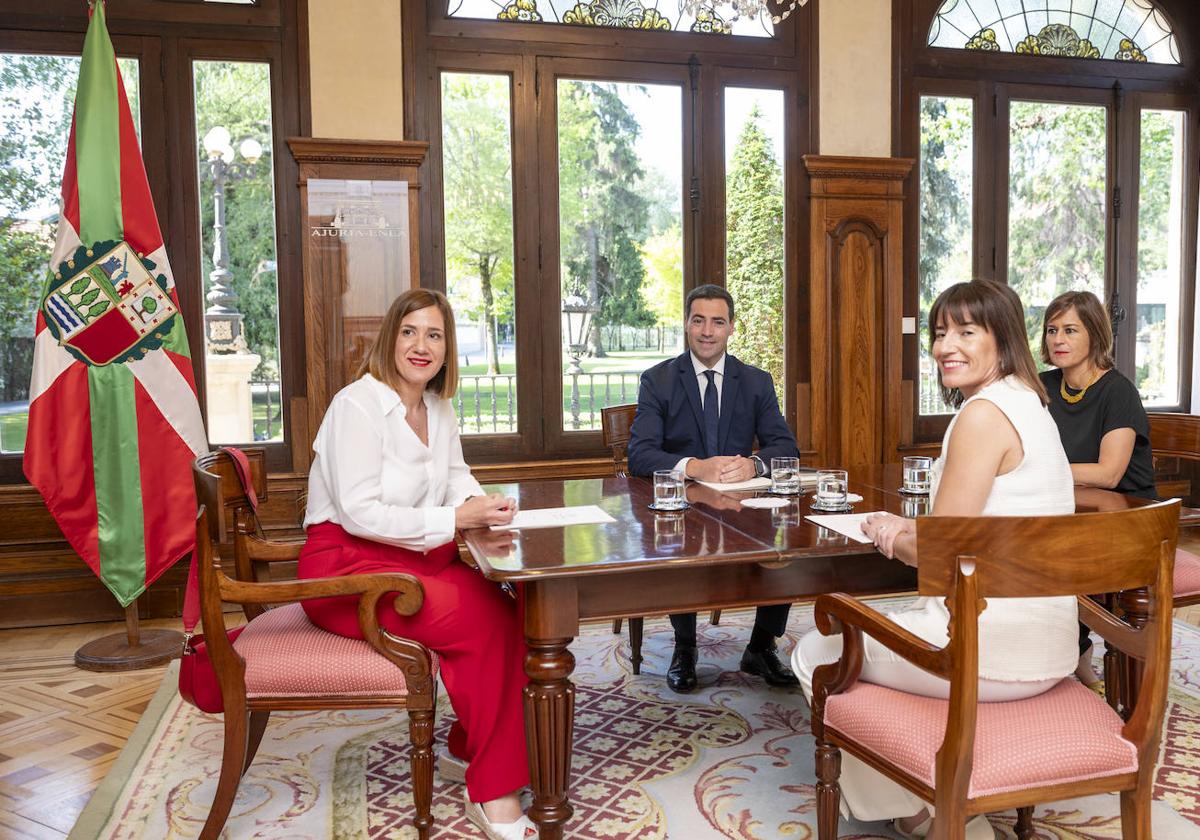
(198, 683)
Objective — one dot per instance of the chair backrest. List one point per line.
(219, 489)
(1175, 442)
(615, 421)
(967, 559)
(1033, 556)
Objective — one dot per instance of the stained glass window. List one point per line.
(1119, 30)
(656, 15)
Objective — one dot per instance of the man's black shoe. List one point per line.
(681, 676)
(767, 664)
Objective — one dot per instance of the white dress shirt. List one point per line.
(374, 477)
(702, 383)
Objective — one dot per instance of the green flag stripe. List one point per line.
(176, 340)
(118, 481)
(98, 137)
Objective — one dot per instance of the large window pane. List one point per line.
(754, 225)
(1160, 256)
(237, 225)
(37, 98)
(1056, 211)
(477, 185)
(621, 238)
(945, 227)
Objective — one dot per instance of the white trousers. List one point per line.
(867, 794)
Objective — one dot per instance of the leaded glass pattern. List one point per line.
(1119, 30)
(655, 15)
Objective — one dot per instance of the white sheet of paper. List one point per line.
(765, 502)
(556, 518)
(846, 524)
(749, 484)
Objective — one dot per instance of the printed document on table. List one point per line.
(556, 518)
(846, 524)
(762, 483)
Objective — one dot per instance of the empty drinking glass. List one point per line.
(785, 476)
(668, 490)
(916, 475)
(831, 489)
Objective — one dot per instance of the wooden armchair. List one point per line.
(969, 758)
(615, 422)
(280, 660)
(1175, 442)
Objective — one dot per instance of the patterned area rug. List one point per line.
(732, 760)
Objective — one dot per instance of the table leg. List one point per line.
(1134, 605)
(549, 727)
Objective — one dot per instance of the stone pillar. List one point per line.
(230, 418)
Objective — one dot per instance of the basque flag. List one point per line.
(114, 423)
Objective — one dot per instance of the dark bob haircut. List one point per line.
(996, 308)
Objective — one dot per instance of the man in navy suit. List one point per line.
(700, 413)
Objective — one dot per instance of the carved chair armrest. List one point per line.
(1114, 631)
(849, 616)
(409, 593)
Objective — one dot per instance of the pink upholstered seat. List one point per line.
(1187, 574)
(281, 646)
(1066, 734)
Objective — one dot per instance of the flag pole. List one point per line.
(132, 650)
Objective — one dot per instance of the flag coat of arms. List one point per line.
(114, 423)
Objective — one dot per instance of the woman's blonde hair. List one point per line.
(995, 307)
(1094, 320)
(380, 360)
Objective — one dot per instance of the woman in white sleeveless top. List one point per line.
(1001, 456)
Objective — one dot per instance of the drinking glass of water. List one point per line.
(785, 476)
(668, 490)
(917, 470)
(831, 489)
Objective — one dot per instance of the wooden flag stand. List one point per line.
(131, 650)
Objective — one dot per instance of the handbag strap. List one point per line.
(191, 595)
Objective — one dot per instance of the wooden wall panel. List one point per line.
(855, 395)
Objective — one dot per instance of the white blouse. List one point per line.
(374, 477)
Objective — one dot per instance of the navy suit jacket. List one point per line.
(669, 423)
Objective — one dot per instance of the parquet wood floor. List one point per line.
(61, 728)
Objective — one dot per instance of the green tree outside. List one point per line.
(754, 242)
(604, 211)
(237, 95)
(477, 179)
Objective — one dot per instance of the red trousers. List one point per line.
(467, 621)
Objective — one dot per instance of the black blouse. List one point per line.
(1111, 402)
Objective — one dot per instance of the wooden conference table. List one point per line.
(715, 555)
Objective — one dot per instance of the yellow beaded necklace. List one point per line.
(1072, 399)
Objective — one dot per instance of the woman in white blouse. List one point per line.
(1001, 456)
(387, 491)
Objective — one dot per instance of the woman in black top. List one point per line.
(1099, 413)
(1100, 418)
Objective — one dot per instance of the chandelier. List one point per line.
(777, 11)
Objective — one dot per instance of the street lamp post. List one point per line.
(222, 322)
(577, 316)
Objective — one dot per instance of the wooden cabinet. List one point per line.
(359, 210)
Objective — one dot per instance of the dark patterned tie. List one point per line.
(712, 415)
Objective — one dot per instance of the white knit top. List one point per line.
(1020, 639)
